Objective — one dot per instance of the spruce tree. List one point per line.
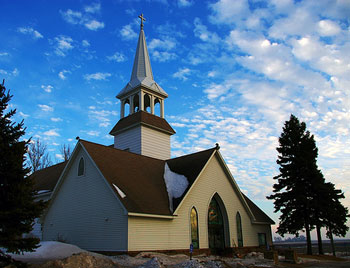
(17, 206)
(334, 214)
(293, 192)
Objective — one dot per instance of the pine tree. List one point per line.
(293, 192)
(334, 214)
(17, 207)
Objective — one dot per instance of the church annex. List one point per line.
(132, 196)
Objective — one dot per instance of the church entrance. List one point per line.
(217, 220)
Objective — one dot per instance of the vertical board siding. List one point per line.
(129, 139)
(155, 143)
(156, 234)
(85, 212)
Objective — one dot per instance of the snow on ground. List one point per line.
(49, 250)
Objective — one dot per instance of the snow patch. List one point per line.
(49, 250)
(176, 184)
(43, 191)
(120, 192)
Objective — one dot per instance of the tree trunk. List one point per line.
(319, 239)
(308, 239)
(332, 241)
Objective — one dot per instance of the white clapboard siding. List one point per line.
(86, 212)
(155, 143)
(158, 234)
(129, 139)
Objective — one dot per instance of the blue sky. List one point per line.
(234, 72)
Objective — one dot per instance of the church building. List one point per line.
(132, 196)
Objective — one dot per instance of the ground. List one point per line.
(61, 255)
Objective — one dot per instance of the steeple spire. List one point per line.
(142, 75)
(142, 128)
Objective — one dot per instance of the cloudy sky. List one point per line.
(234, 71)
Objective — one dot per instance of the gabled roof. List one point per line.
(190, 166)
(144, 188)
(139, 177)
(142, 118)
(46, 179)
(142, 72)
(259, 215)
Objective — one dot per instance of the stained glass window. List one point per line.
(214, 213)
(239, 230)
(194, 228)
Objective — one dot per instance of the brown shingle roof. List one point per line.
(259, 215)
(140, 178)
(190, 166)
(46, 179)
(142, 118)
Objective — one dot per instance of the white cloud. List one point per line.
(59, 156)
(127, 32)
(227, 11)
(51, 133)
(23, 115)
(97, 76)
(93, 8)
(30, 31)
(45, 108)
(63, 44)
(85, 43)
(84, 17)
(165, 44)
(94, 25)
(15, 72)
(118, 57)
(93, 133)
(328, 28)
(182, 74)
(163, 56)
(184, 3)
(62, 74)
(56, 119)
(2, 54)
(202, 32)
(47, 88)
(70, 16)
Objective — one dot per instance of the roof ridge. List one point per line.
(178, 157)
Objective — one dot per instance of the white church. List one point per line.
(132, 196)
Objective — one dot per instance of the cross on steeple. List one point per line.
(142, 20)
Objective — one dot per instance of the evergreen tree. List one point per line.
(17, 207)
(293, 192)
(333, 213)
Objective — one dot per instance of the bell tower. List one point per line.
(142, 131)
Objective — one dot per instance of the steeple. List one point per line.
(142, 130)
(142, 81)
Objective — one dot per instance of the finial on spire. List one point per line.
(142, 20)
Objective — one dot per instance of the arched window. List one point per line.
(157, 107)
(194, 228)
(81, 167)
(136, 103)
(126, 107)
(239, 230)
(147, 103)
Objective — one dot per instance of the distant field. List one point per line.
(341, 245)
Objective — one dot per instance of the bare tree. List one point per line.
(66, 151)
(38, 156)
